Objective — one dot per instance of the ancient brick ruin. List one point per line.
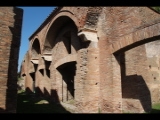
(103, 59)
(10, 35)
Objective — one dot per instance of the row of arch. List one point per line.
(65, 29)
(45, 51)
(38, 47)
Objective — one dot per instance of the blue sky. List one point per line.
(33, 17)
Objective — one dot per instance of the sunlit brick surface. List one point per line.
(101, 59)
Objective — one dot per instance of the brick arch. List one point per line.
(32, 41)
(69, 58)
(35, 48)
(124, 43)
(135, 37)
(58, 21)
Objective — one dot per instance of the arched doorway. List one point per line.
(61, 43)
(35, 49)
(67, 72)
(35, 54)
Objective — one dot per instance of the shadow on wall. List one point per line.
(11, 91)
(67, 71)
(133, 87)
(39, 102)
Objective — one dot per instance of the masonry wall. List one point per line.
(42, 80)
(108, 78)
(136, 95)
(153, 66)
(113, 23)
(28, 80)
(10, 35)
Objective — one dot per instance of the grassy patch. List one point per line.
(30, 104)
(155, 108)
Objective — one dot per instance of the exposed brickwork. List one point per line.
(135, 74)
(10, 35)
(101, 59)
(153, 68)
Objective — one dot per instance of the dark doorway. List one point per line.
(68, 71)
(47, 64)
(33, 78)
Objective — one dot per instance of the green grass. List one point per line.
(155, 108)
(30, 104)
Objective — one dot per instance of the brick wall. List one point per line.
(153, 64)
(113, 73)
(135, 76)
(10, 35)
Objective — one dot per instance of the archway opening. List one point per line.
(54, 30)
(33, 82)
(47, 64)
(39, 88)
(138, 82)
(62, 26)
(33, 77)
(35, 49)
(68, 71)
